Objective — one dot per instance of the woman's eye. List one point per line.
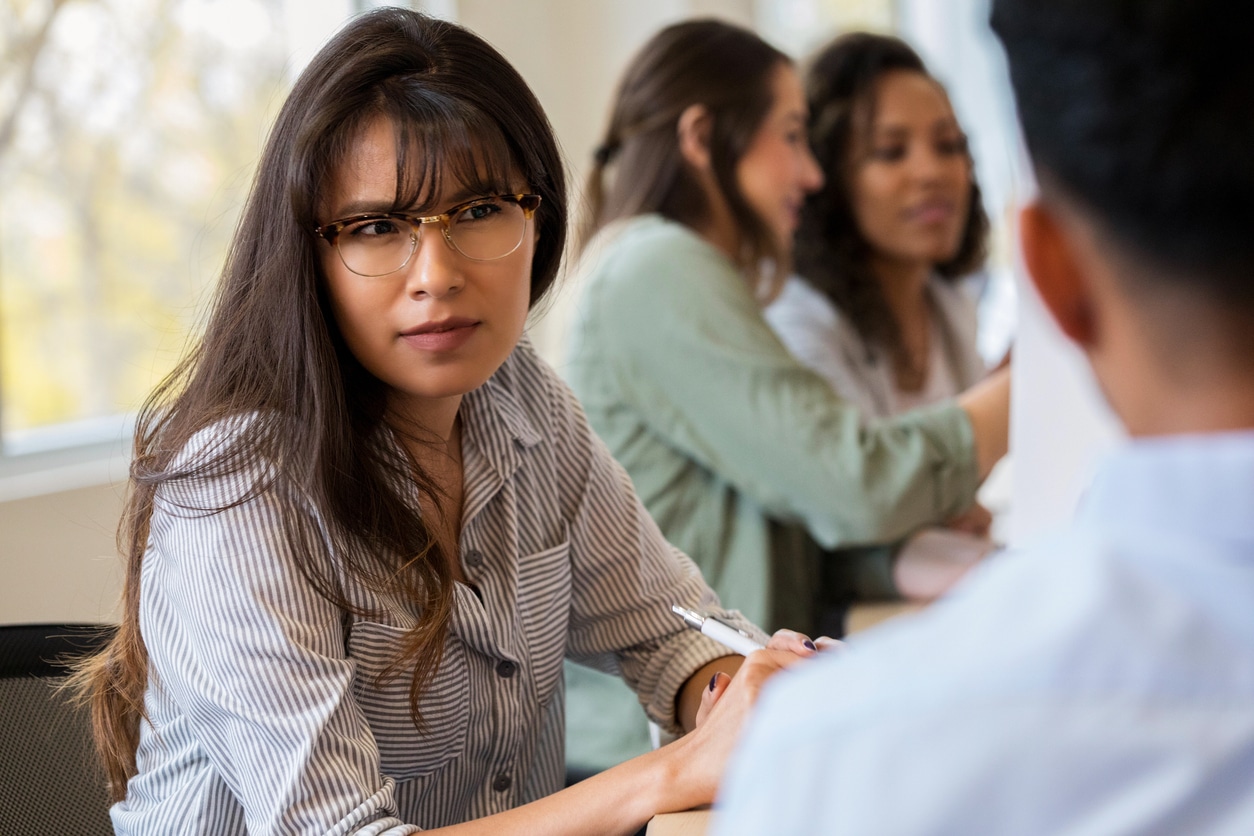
(957, 145)
(374, 227)
(478, 212)
(888, 153)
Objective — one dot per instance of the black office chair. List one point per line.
(50, 779)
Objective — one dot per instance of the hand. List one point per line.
(801, 644)
(788, 641)
(702, 754)
(976, 520)
(934, 559)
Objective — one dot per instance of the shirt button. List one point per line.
(502, 782)
(474, 558)
(505, 668)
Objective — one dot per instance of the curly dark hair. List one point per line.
(831, 252)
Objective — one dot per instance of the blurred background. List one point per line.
(129, 130)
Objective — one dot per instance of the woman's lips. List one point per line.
(444, 335)
(932, 212)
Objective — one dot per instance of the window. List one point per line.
(129, 130)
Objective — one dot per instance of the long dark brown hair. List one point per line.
(638, 168)
(271, 358)
(831, 252)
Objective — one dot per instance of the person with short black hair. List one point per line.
(1102, 682)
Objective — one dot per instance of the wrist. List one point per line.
(673, 776)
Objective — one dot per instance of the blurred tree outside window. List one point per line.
(129, 130)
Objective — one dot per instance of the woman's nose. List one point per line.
(435, 270)
(929, 165)
(811, 172)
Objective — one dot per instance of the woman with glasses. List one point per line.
(366, 524)
(749, 461)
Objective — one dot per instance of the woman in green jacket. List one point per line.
(748, 461)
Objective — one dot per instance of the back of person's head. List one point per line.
(271, 351)
(639, 168)
(832, 250)
(1139, 113)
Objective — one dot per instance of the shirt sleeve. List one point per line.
(626, 576)
(254, 659)
(688, 347)
(854, 769)
(1023, 703)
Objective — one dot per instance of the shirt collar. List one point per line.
(1198, 483)
(495, 423)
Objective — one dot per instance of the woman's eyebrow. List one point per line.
(364, 207)
(890, 132)
(383, 207)
(465, 194)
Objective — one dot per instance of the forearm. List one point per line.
(987, 405)
(679, 776)
(619, 800)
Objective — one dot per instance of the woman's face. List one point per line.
(910, 173)
(441, 325)
(777, 170)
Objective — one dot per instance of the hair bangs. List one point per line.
(446, 151)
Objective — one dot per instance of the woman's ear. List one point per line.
(1057, 273)
(693, 131)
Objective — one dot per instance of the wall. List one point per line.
(58, 559)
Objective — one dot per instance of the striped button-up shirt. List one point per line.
(267, 712)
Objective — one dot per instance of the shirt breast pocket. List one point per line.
(544, 607)
(407, 751)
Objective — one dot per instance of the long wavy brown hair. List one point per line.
(271, 352)
(831, 252)
(638, 167)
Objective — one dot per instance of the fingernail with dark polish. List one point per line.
(809, 645)
(713, 682)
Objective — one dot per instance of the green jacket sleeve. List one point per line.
(688, 346)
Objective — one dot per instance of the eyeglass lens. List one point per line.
(488, 229)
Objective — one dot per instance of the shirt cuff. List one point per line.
(696, 652)
(947, 428)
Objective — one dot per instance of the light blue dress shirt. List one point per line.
(1101, 683)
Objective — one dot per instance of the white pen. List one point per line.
(728, 636)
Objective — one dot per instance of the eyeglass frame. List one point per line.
(330, 232)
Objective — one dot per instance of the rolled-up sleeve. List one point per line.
(626, 577)
(683, 335)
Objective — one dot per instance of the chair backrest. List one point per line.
(50, 779)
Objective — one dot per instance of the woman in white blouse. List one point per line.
(366, 523)
(880, 307)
